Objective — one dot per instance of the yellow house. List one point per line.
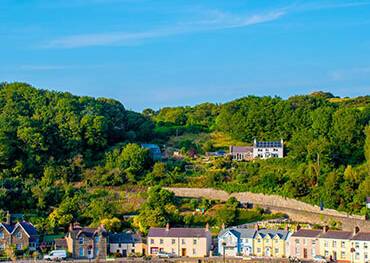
(271, 243)
(184, 242)
(336, 245)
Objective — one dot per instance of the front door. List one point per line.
(268, 252)
(124, 253)
(183, 252)
(305, 253)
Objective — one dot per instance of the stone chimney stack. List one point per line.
(207, 227)
(298, 227)
(325, 229)
(356, 230)
(167, 227)
(8, 218)
(223, 226)
(257, 227)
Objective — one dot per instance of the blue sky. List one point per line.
(183, 52)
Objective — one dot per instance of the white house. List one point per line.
(360, 247)
(265, 150)
(236, 241)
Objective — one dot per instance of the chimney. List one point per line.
(223, 226)
(325, 229)
(207, 227)
(257, 227)
(356, 230)
(287, 227)
(254, 142)
(8, 218)
(298, 227)
(167, 227)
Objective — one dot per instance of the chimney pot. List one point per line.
(257, 227)
(356, 230)
(223, 226)
(325, 229)
(167, 227)
(207, 227)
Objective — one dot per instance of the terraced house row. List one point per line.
(340, 246)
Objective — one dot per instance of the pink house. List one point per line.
(304, 243)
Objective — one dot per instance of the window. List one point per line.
(81, 252)
(276, 251)
(19, 246)
(313, 252)
(365, 245)
(343, 244)
(343, 254)
(161, 241)
(173, 241)
(32, 244)
(313, 242)
(326, 244)
(152, 241)
(357, 256)
(2, 247)
(297, 251)
(194, 241)
(119, 245)
(334, 243)
(96, 251)
(1, 235)
(259, 240)
(81, 240)
(267, 241)
(183, 241)
(357, 245)
(365, 255)
(258, 250)
(297, 241)
(194, 251)
(19, 234)
(304, 241)
(326, 253)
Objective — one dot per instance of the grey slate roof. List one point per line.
(307, 233)
(274, 144)
(362, 236)
(333, 234)
(283, 234)
(240, 232)
(28, 227)
(178, 232)
(241, 149)
(124, 237)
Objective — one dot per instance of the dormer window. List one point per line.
(81, 240)
(19, 234)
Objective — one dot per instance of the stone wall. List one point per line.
(295, 209)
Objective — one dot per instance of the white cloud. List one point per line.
(216, 20)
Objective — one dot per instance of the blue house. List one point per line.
(236, 242)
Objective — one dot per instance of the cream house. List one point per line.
(271, 243)
(335, 245)
(360, 247)
(184, 242)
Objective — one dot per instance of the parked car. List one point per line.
(319, 259)
(56, 255)
(162, 254)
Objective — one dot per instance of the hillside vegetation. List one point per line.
(65, 158)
